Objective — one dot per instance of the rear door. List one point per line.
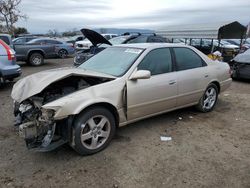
(192, 76)
(146, 97)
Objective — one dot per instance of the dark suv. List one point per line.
(100, 43)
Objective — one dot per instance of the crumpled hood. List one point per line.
(35, 83)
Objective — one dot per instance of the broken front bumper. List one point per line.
(38, 128)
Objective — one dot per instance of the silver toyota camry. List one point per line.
(122, 84)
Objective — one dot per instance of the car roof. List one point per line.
(40, 38)
(3, 34)
(150, 45)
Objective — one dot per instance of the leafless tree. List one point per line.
(10, 14)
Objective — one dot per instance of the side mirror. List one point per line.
(141, 74)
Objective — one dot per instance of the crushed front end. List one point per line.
(38, 127)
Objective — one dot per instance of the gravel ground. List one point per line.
(207, 150)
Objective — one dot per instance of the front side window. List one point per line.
(20, 41)
(187, 59)
(157, 61)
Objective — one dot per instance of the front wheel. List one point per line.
(93, 130)
(209, 99)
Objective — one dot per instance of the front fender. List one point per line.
(73, 104)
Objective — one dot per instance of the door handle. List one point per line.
(206, 76)
(172, 82)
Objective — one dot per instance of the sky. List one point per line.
(64, 15)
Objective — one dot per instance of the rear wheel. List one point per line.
(209, 99)
(36, 59)
(93, 130)
(62, 53)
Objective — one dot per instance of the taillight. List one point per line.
(10, 52)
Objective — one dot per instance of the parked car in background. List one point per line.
(100, 43)
(241, 65)
(207, 46)
(35, 51)
(86, 43)
(9, 70)
(74, 39)
(62, 48)
(243, 47)
(84, 106)
(23, 40)
(7, 39)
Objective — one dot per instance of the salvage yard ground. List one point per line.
(206, 150)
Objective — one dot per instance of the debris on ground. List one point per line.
(166, 138)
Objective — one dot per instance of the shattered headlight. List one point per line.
(47, 114)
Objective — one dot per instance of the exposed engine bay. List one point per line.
(37, 125)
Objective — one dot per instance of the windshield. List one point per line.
(5, 39)
(114, 61)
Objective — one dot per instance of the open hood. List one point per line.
(94, 37)
(35, 83)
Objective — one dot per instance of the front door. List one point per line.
(157, 94)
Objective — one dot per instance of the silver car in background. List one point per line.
(122, 84)
(9, 70)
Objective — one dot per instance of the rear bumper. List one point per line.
(225, 84)
(10, 72)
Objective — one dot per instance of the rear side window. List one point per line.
(53, 42)
(140, 39)
(157, 61)
(187, 59)
(5, 39)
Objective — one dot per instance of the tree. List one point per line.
(20, 30)
(70, 33)
(10, 14)
(53, 33)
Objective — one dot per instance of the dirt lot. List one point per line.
(207, 150)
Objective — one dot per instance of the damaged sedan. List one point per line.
(122, 84)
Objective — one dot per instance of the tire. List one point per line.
(210, 96)
(36, 59)
(1, 81)
(93, 130)
(62, 53)
(234, 73)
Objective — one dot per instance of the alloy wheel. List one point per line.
(95, 131)
(209, 98)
